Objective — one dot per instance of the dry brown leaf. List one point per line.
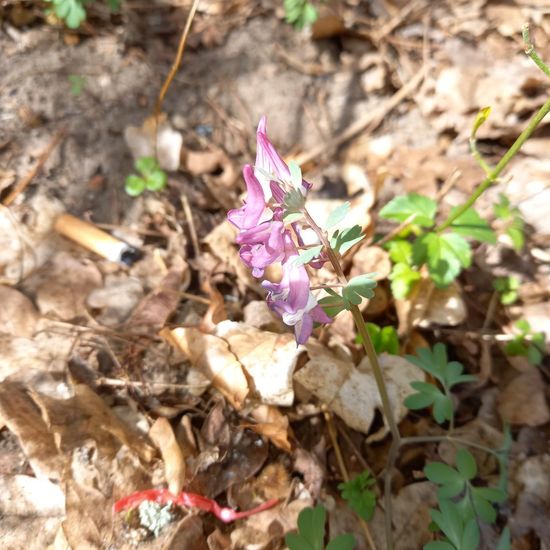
(26, 246)
(221, 241)
(216, 312)
(351, 391)
(154, 310)
(18, 316)
(166, 147)
(86, 416)
(23, 419)
(62, 285)
(271, 423)
(356, 180)
(371, 259)
(257, 314)
(174, 463)
(29, 496)
(188, 535)
(212, 356)
(23, 359)
(116, 299)
(429, 305)
(523, 401)
(269, 359)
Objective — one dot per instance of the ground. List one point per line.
(171, 371)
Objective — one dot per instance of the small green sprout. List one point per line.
(300, 13)
(507, 287)
(77, 83)
(527, 343)
(311, 533)
(358, 494)
(513, 222)
(151, 177)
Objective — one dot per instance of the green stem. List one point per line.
(376, 369)
(479, 158)
(495, 173)
(441, 438)
(531, 52)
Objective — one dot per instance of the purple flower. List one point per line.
(265, 239)
(250, 214)
(292, 298)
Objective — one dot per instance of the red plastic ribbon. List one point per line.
(189, 500)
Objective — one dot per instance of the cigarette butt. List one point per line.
(91, 237)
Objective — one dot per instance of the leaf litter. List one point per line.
(181, 343)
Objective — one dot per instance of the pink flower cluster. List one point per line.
(266, 239)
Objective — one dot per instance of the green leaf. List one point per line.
(418, 401)
(516, 236)
(337, 215)
(295, 174)
(147, 165)
(402, 277)
(156, 181)
(443, 409)
(331, 305)
(307, 255)
(534, 355)
(401, 208)
(471, 224)
(523, 326)
(504, 542)
(492, 494)
(481, 117)
(342, 542)
(389, 341)
(134, 185)
(71, 11)
(450, 490)
(449, 521)
(358, 494)
(507, 288)
(77, 84)
(439, 545)
(466, 464)
(357, 287)
(293, 202)
(311, 530)
(433, 362)
(342, 241)
(445, 254)
(400, 251)
(470, 536)
(442, 474)
(484, 509)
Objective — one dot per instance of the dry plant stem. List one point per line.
(376, 369)
(342, 466)
(441, 438)
(24, 182)
(495, 173)
(177, 61)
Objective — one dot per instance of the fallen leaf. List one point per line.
(165, 147)
(188, 535)
(18, 316)
(269, 359)
(116, 300)
(371, 259)
(351, 391)
(216, 312)
(523, 400)
(28, 496)
(153, 311)
(26, 240)
(174, 463)
(62, 285)
(257, 314)
(23, 419)
(212, 356)
(428, 305)
(271, 423)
